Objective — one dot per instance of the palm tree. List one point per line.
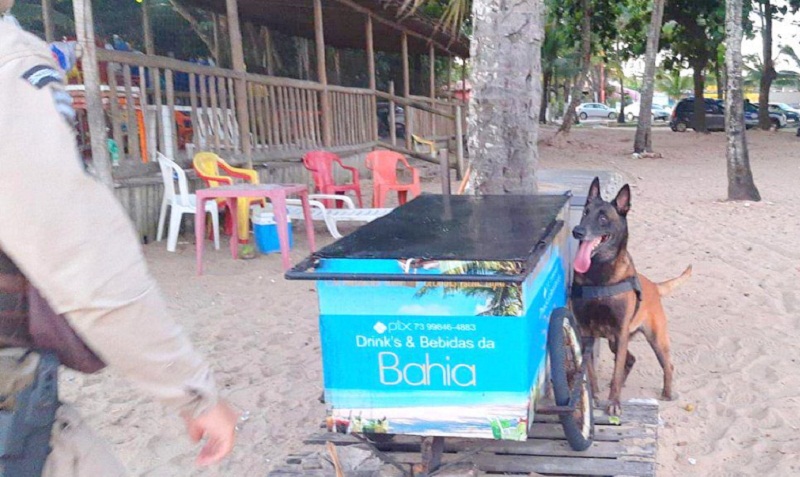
(643, 140)
(672, 83)
(503, 299)
(586, 62)
(740, 177)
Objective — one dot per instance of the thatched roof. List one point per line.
(344, 23)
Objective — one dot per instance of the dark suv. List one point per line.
(683, 115)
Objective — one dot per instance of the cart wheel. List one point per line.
(569, 379)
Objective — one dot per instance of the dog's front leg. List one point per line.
(620, 358)
(587, 343)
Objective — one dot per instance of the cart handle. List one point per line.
(302, 270)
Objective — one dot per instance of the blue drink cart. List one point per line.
(448, 317)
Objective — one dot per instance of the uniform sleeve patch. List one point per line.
(42, 75)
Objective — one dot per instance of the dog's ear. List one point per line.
(594, 190)
(622, 202)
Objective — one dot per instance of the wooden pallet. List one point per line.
(624, 449)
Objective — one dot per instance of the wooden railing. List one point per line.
(177, 108)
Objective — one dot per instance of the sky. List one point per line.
(786, 32)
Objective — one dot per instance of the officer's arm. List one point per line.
(71, 238)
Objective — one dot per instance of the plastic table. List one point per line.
(276, 193)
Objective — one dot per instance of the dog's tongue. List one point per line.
(583, 259)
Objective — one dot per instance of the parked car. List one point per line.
(778, 119)
(657, 112)
(683, 115)
(791, 113)
(595, 110)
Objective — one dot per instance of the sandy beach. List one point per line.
(732, 325)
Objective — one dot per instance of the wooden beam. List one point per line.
(147, 26)
(84, 26)
(47, 18)
(373, 84)
(355, 6)
(240, 86)
(322, 73)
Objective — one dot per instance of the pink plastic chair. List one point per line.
(321, 166)
(383, 165)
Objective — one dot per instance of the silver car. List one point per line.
(595, 110)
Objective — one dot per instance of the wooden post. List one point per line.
(450, 74)
(322, 73)
(47, 18)
(215, 35)
(459, 141)
(444, 170)
(373, 84)
(432, 79)
(432, 72)
(392, 118)
(464, 79)
(406, 75)
(270, 53)
(147, 26)
(84, 26)
(240, 87)
(406, 89)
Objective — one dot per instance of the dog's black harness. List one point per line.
(589, 292)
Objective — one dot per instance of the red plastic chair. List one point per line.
(321, 166)
(383, 165)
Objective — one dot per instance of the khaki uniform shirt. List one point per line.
(73, 241)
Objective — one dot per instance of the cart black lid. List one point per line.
(460, 227)
(496, 228)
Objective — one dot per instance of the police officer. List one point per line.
(65, 234)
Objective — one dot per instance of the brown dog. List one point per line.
(610, 299)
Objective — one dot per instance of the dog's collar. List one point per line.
(589, 292)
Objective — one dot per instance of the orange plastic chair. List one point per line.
(321, 166)
(209, 167)
(383, 165)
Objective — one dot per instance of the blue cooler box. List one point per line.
(265, 232)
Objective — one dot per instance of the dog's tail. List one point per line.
(666, 287)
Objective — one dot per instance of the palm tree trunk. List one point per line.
(699, 121)
(548, 76)
(643, 140)
(740, 177)
(621, 117)
(769, 74)
(506, 50)
(586, 60)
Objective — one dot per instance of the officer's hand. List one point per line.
(218, 426)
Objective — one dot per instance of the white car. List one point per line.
(658, 112)
(595, 110)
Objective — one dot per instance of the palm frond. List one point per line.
(453, 17)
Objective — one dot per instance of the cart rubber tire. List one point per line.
(566, 373)
(583, 116)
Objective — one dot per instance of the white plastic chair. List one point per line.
(181, 202)
(331, 217)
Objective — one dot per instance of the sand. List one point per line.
(733, 325)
